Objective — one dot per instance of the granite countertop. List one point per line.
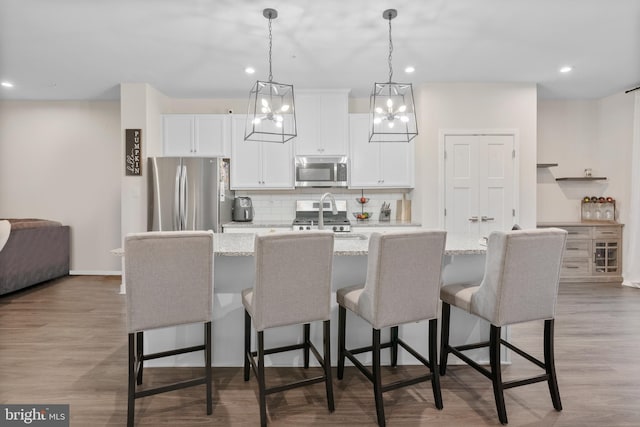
(287, 224)
(242, 244)
(577, 223)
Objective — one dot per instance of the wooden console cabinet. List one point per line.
(593, 252)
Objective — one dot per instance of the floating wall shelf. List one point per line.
(546, 165)
(583, 178)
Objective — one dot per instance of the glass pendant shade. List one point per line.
(392, 112)
(392, 116)
(271, 116)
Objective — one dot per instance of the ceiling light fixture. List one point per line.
(566, 69)
(271, 114)
(249, 70)
(409, 69)
(392, 116)
(6, 84)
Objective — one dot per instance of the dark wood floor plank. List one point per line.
(65, 342)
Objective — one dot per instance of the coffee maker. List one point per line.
(242, 209)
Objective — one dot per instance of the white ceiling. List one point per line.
(83, 49)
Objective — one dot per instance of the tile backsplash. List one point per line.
(280, 205)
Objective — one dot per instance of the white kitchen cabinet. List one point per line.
(196, 135)
(378, 164)
(322, 121)
(258, 165)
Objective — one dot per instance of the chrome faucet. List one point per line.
(334, 209)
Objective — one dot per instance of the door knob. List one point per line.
(486, 218)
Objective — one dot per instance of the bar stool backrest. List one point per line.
(169, 278)
(521, 276)
(293, 278)
(403, 277)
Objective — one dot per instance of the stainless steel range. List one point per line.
(307, 216)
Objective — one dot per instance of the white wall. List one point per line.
(473, 106)
(61, 161)
(579, 134)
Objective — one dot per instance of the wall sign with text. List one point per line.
(133, 152)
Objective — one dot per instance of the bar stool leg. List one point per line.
(394, 346)
(444, 338)
(550, 364)
(342, 318)
(377, 378)
(496, 373)
(131, 408)
(139, 353)
(247, 344)
(207, 361)
(261, 381)
(306, 328)
(433, 362)
(326, 337)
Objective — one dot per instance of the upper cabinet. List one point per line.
(378, 164)
(259, 165)
(196, 135)
(322, 121)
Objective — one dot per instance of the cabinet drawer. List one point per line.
(577, 267)
(578, 249)
(606, 232)
(578, 232)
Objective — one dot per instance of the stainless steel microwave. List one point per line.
(325, 171)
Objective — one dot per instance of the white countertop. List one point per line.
(242, 244)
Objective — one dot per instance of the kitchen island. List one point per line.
(234, 271)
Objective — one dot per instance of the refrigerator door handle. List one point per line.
(176, 200)
(183, 199)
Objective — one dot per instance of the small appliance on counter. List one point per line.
(242, 209)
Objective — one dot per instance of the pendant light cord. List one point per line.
(270, 44)
(390, 52)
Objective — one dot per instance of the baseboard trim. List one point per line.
(95, 273)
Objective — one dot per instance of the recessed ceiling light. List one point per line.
(566, 69)
(249, 70)
(6, 84)
(409, 69)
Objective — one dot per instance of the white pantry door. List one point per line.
(479, 183)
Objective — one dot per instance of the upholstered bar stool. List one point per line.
(520, 284)
(402, 286)
(169, 283)
(292, 286)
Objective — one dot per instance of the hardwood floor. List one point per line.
(65, 342)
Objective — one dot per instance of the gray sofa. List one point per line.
(36, 251)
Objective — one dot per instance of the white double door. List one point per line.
(479, 183)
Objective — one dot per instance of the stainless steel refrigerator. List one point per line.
(188, 193)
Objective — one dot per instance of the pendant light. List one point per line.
(271, 115)
(392, 116)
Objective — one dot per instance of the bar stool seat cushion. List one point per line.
(290, 273)
(459, 294)
(349, 298)
(521, 278)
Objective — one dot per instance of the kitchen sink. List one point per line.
(349, 236)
